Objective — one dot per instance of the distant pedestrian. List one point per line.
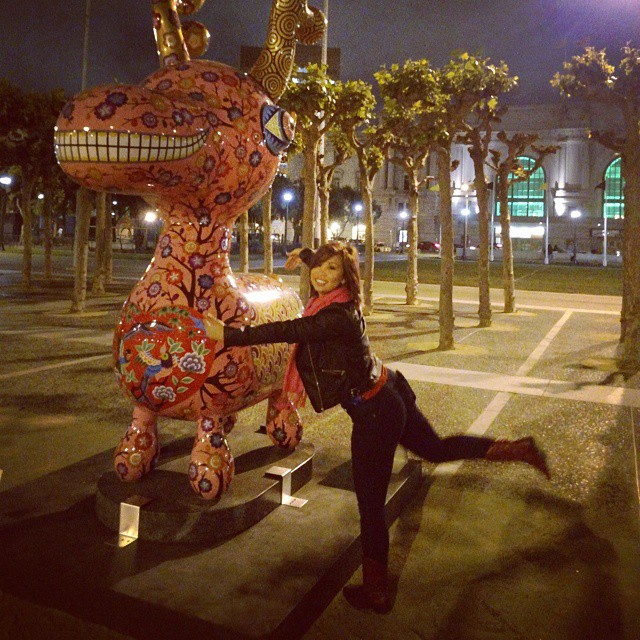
(334, 364)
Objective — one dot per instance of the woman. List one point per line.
(334, 364)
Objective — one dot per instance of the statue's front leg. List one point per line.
(284, 426)
(211, 466)
(138, 451)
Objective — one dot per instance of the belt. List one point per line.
(357, 398)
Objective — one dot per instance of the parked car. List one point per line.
(381, 247)
(429, 247)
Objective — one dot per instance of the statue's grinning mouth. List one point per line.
(125, 146)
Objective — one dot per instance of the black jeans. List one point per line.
(390, 418)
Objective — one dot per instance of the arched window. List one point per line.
(527, 198)
(613, 204)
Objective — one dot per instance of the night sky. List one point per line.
(41, 40)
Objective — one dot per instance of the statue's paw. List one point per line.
(285, 430)
(136, 455)
(211, 466)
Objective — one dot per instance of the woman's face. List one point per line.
(328, 276)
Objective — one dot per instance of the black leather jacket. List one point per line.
(333, 357)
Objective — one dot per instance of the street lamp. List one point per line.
(287, 196)
(403, 215)
(6, 181)
(357, 208)
(465, 213)
(575, 214)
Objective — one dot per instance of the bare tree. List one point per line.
(508, 171)
(590, 77)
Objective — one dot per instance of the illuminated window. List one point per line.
(613, 205)
(527, 198)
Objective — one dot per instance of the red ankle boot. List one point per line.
(523, 450)
(373, 592)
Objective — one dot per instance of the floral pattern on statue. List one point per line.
(201, 142)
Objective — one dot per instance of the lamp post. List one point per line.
(465, 213)
(492, 223)
(403, 215)
(575, 214)
(150, 218)
(287, 196)
(357, 208)
(6, 181)
(547, 213)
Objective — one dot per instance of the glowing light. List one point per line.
(150, 217)
(404, 214)
(263, 296)
(561, 208)
(575, 214)
(6, 180)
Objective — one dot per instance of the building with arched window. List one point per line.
(562, 205)
(613, 185)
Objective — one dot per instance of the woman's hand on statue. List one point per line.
(214, 327)
(293, 259)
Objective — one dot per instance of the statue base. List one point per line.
(174, 513)
(60, 568)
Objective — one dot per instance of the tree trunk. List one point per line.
(323, 195)
(81, 250)
(507, 250)
(484, 231)
(266, 227)
(4, 202)
(309, 212)
(108, 247)
(97, 287)
(367, 189)
(446, 251)
(411, 287)
(47, 214)
(27, 230)
(243, 241)
(629, 352)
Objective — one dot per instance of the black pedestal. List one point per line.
(175, 513)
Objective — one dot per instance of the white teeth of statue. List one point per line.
(124, 147)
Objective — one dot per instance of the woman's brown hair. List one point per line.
(350, 265)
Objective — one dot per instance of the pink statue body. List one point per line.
(201, 143)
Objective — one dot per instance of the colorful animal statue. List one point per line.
(201, 143)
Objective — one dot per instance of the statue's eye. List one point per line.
(278, 128)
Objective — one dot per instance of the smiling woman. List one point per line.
(333, 364)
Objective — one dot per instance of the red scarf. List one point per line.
(293, 389)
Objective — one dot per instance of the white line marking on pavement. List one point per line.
(391, 298)
(66, 363)
(507, 385)
(635, 457)
(536, 354)
(523, 385)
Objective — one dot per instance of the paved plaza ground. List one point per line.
(483, 551)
